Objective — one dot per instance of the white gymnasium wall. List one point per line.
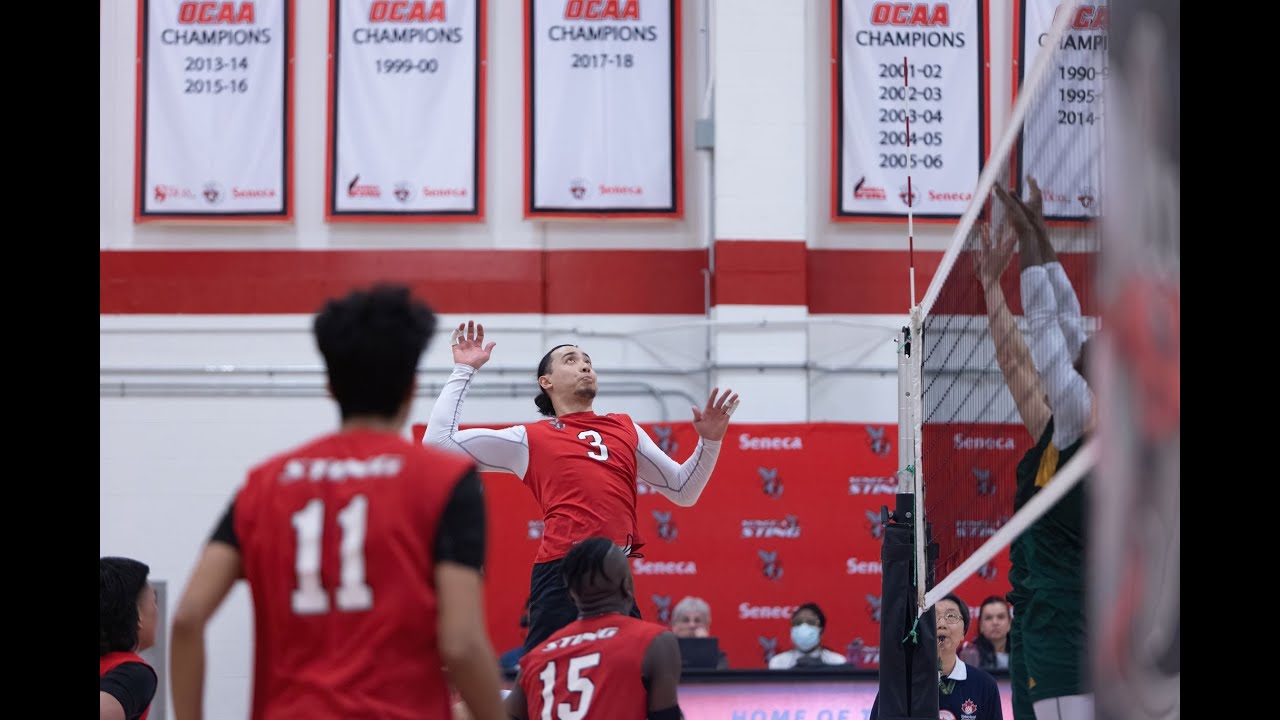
(169, 460)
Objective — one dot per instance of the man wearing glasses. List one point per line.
(964, 691)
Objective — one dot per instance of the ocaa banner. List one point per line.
(214, 110)
(405, 130)
(603, 134)
(791, 515)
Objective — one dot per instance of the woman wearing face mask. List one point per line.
(807, 624)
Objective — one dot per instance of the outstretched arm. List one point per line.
(1068, 303)
(683, 483)
(505, 450)
(1012, 354)
(1068, 394)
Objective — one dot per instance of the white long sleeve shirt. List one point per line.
(1053, 318)
(507, 449)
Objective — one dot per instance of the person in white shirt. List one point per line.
(807, 625)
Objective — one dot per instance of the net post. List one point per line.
(908, 685)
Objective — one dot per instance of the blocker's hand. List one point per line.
(468, 345)
(713, 421)
(990, 261)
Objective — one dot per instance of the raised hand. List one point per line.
(1035, 208)
(1035, 203)
(713, 421)
(1027, 229)
(468, 345)
(989, 262)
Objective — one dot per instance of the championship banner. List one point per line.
(215, 110)
(1061, 143)
(791, 515)
(910, 99)
(405, 95)
(603, 108)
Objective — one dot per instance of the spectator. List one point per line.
(990, 650)
(808, 623)
(691, 618)
(964, 691)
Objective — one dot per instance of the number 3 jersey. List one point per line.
(582, 472)
(339, 540)
(590, 669)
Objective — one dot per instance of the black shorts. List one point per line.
(550, 605)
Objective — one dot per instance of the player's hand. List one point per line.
(1019, 216)
(989, 262)
(468, 345)
(713, 420)
(1035, 201)
(1035, 210)
(1016, 211)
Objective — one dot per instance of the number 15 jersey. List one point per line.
(590, 669)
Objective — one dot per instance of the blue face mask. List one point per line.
(804, 636)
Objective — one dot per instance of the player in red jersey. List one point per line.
(362, 549)
(581, 467)
(606, 664)
(127, 617)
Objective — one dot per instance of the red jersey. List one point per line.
(114, 659)
(582, 471)
(590, 669)
(337, 539)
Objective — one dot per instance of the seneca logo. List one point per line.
(962, 442)
(747, 611)
(749, 442)
(644, 567)
(853, 566)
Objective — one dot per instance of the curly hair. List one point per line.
(120, 582)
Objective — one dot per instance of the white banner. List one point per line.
(604, 135)
(1061, 145)
(916, 63)
(405, 128)
(215, 110)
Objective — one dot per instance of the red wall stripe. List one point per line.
(867, 281)
(646, 282)
(661, 282)
(760, 272)
(299, 281)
